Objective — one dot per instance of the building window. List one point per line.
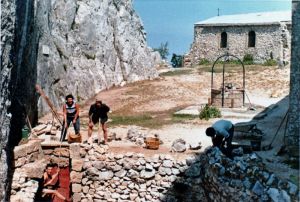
(223, 40)
(251, 39)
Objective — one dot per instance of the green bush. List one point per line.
(231, 62)
(204, 61)
(248, 59)
(209, 112)
(270, 62)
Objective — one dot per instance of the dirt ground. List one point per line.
(150, 106)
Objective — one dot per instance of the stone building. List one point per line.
(264, 35)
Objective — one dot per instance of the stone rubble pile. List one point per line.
(244, 178)
(138, 137)
(47, 127)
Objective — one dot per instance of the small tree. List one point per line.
(163, 50)
(176, 60)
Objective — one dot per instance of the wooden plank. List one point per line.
(48, 101)
(39, 128)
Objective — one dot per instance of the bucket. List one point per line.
(152, 143)
(25, 132)
(255, 144)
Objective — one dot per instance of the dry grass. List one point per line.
(153, 103)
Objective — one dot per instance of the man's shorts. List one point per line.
(102, 120)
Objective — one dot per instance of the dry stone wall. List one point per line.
(58, 155)
(272, 42)
(29, 166)
(99, 175)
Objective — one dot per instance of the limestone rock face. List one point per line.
(90, 45)
(17, 76)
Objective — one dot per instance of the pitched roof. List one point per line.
(248, 19)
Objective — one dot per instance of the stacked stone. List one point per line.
(29, 165)
(27, 192)
(244, 179)
(99, 176)
(232, 98)
(47, 128)
(27, 153)
(59, 155)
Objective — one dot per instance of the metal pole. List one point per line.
(223, 87)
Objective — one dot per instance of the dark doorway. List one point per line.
(251, 39)
(223, 40)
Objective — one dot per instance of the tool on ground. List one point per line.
(251, 106)
(269, 146)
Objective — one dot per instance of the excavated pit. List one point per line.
(97, 174)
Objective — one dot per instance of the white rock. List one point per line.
(106, 175)
(167, 163)
(147, 174)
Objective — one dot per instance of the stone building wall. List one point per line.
(294, 108)
(271, 41)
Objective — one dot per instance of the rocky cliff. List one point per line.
(70, 46)
(17, 80)
(89, 45)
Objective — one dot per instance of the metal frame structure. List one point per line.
(226, 59)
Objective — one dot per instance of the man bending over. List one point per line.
(221, 133)
(98, 113)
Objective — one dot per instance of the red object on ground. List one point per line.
(64, 184)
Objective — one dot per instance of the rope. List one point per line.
(279, 128)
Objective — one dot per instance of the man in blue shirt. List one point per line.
(221, 133)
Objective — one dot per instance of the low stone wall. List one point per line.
(29, 166)
(98, 175)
